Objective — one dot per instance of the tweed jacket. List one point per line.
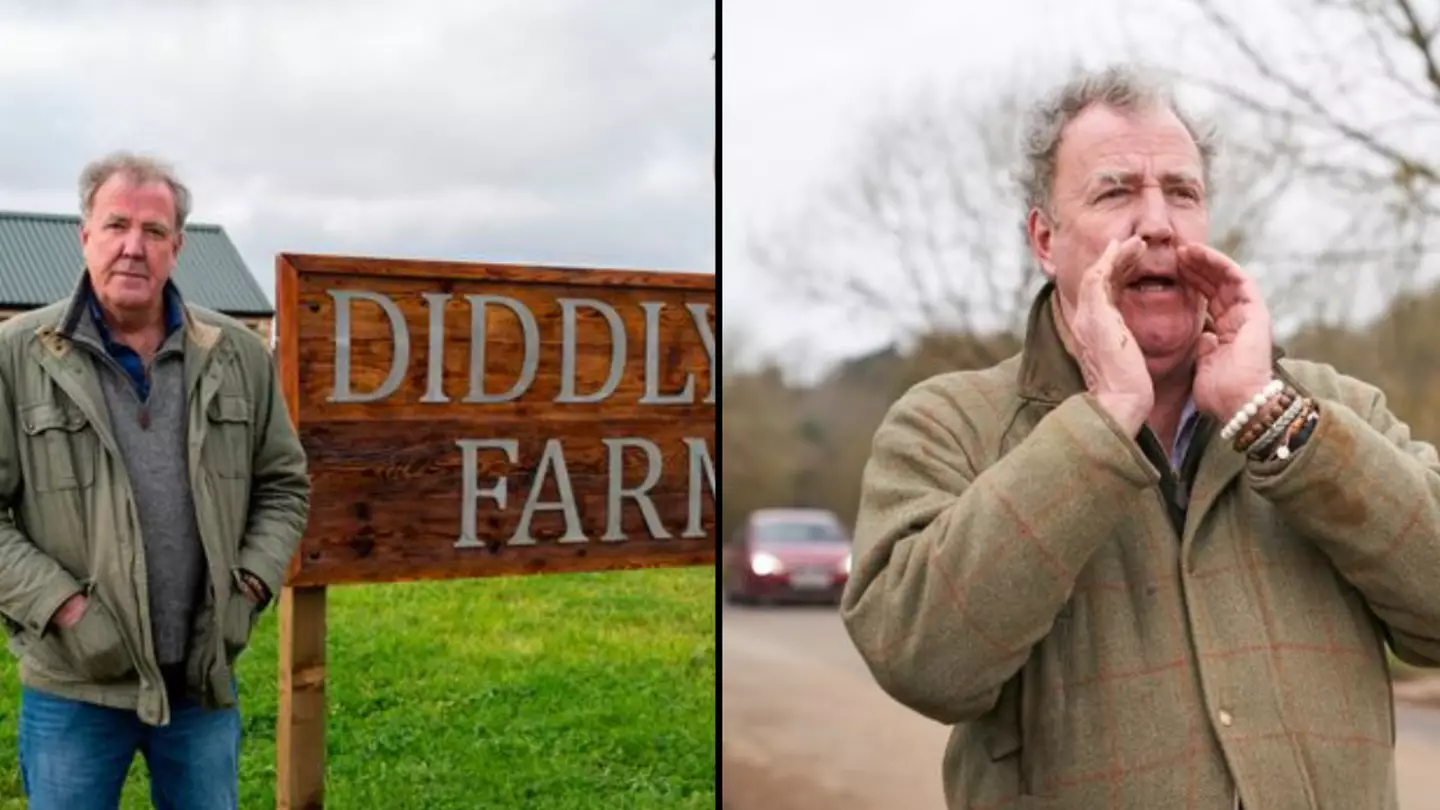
(1019, 576)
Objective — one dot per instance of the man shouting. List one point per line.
(1146, 563)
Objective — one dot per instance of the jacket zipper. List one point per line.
(142, 661)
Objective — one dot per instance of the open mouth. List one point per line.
(1152, 282)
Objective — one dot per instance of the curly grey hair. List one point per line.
(139, 168)
(1125, 88)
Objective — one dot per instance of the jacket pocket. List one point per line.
(228, 446)
(238, 620)
(62, 447)
(94, 646)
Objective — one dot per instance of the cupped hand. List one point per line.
(1107, 352)
(1234, 360)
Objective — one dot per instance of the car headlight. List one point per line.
(765, 564)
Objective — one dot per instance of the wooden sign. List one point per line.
(466, 420)
(470, 420)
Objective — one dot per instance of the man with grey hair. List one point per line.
(1147, 562)
(152, 492)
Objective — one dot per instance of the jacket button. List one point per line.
(1225, 718)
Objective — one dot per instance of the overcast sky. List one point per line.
(800, 78)
(568, 132)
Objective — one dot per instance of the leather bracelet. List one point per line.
(1276, 432)
(1273, 411)
(1299, 423)
(1300, 437)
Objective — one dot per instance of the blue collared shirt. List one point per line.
(1189, 418)
(127, 357)
(1180, 448)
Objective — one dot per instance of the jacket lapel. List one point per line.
(1218, 467)
(1048, 374)
(201, 340)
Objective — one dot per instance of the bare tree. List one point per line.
(1357, 84)
(924, 233)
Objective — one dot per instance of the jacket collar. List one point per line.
(174, 312)
(78, 306)
(1048, 373)
(203, 348)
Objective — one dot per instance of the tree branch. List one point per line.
(1422, 40)
(1406, 165)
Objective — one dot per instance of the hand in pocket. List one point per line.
(94, 644)
(239, 621)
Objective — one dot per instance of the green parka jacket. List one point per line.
(68, 522)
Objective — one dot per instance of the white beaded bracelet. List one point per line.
(1243, 416)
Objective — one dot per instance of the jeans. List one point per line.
(75, 755)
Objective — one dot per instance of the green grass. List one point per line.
(557, 691)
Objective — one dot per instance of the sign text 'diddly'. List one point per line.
(699, 468)
(343, 392)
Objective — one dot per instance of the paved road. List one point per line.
(805, 727)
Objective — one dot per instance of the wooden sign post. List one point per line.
(472, 420)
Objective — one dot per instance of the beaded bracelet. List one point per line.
(1277, 429)
(1243, 416)
(1292, 445)
(1287, 436)
(1268, 416)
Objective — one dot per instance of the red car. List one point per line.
(787, 555)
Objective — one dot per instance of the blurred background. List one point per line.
(872, 236)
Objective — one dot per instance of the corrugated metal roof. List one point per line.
(40, 259)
